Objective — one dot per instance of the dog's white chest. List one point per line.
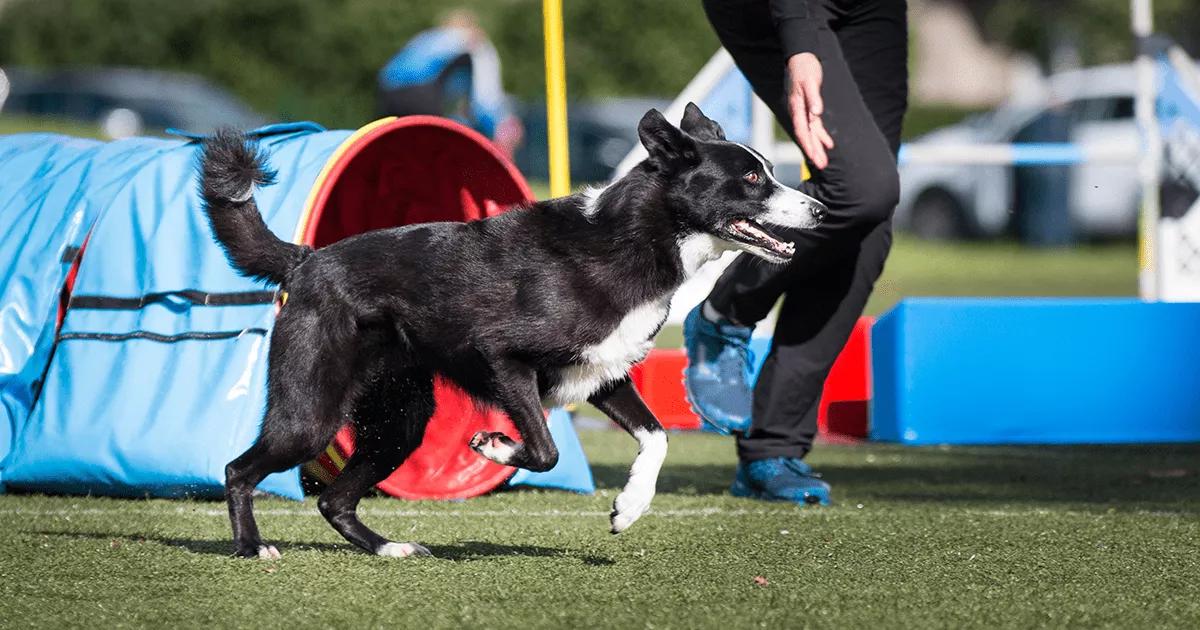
(697, 249)
(611, 359)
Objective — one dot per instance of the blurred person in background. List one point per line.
(451, 70)
(834, 72)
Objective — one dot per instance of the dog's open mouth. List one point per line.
(755, 238)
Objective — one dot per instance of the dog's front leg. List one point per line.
(516, 393)
(621, 402)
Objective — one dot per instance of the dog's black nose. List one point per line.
(818, 211)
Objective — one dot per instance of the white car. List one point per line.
(979, 200)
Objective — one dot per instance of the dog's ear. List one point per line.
(699, 126)
(669, 147)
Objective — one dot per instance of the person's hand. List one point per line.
(805, 106)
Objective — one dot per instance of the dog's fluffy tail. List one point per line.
(230, 168)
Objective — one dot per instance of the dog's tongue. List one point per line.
(751, 229)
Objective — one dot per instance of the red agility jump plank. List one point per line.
(659, 378)
(847, 392)
(843, 403)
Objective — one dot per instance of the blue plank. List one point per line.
(1008, 371)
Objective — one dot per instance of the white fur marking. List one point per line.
(635, 499)
(611, 359)
(786, 207)
(591, 195)
(268, 552)
(401, 550)
(697, 249)
(501, 454)
(789, 208)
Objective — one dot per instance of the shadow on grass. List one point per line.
(466, 551)
(471, 550)
(1126, 478)
(206, 547)
(687, 479)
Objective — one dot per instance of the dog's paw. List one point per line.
(477, 440)
(266, 552)
(629, 506)
(402, 550)
(494, 446)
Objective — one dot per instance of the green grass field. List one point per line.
(918, 267)
(918, 538)
(10, 123)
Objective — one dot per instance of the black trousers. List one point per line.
(863, 48)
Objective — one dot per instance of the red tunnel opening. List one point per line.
(402, 171)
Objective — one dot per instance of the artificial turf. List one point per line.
(918, 538)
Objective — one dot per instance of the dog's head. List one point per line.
(724, 189)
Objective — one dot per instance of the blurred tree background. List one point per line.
(1099, 29)
(317, 59)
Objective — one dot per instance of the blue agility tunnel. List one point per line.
(133, 357)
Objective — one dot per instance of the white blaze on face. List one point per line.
(786, 207)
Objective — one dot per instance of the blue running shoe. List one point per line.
(780, 479)
(717, 376)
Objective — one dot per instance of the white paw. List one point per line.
(402, 550)
(635, 499)
(268, 552)
(494, 446)
(630, 505)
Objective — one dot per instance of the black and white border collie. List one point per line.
(542, 305)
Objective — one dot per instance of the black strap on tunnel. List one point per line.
(195, 297)
(153, 336)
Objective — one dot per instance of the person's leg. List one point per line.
(717, 332)
(865, 92)
(814, 323)
(863, 58)
(867, 79)
(748, 289)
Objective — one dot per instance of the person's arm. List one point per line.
(797, 24)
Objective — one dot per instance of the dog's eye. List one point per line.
(752, 177)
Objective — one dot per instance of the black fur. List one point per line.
(229, 170)
(509, 308)
(699, 126)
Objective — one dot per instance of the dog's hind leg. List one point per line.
(390, 419)
(241, 477)
(309, 371)
(621, 402)
(515, 391)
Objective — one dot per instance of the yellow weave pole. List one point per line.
(556, 99)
